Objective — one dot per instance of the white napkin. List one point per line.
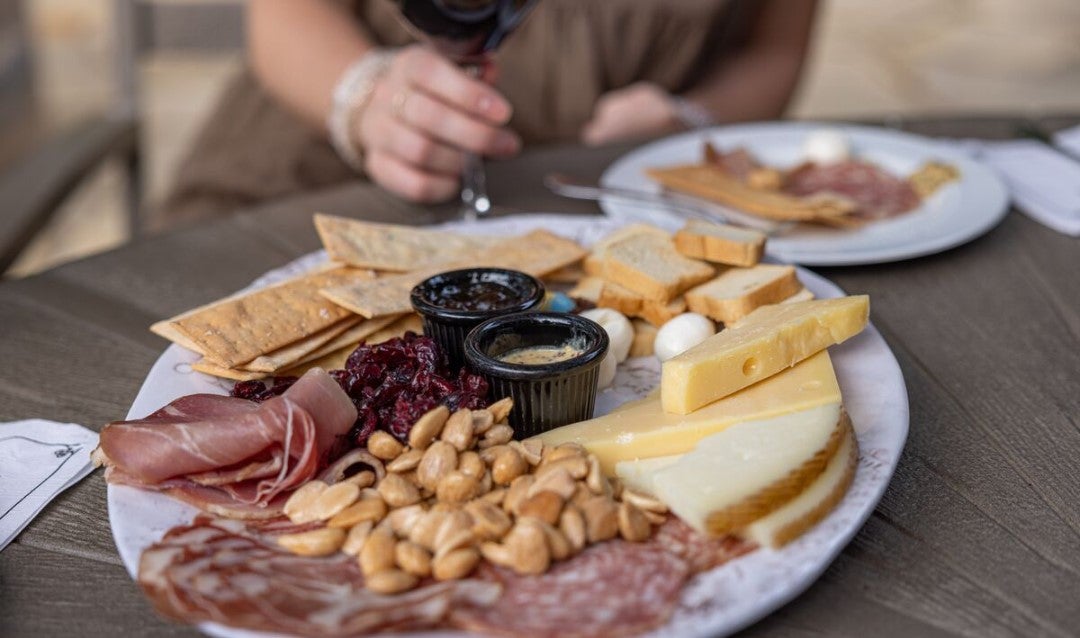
(1044, 183)
(38, 460)
(1068, 140)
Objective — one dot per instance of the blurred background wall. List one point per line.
(870, 60)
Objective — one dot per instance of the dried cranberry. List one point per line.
(248, 389)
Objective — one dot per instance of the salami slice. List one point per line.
(611, 589)
(700, 552)
(223, 571)
(876, 193)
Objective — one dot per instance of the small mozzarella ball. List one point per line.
(607, 371)
(826, 146)
(682, 333)
(619, 330)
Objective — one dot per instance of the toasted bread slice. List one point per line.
(594, 263)
(644, 338)
(650, 266)
(720, 243)
(739, 291)
(588, 288)
(632, 304)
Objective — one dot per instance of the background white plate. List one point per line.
(958, 213)
(717, 602)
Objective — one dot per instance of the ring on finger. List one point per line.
(397, 103)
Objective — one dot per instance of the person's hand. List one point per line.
(423, 114)
(639, 110)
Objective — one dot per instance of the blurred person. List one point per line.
(341, 90)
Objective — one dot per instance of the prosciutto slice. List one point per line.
(227, 455)
(226, 572)
(876, 193)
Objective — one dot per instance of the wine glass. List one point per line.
(467, 32)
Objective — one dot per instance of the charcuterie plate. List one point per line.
(959, 212)
(715, 602)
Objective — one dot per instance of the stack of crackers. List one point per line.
(318, 318)
(711, 269)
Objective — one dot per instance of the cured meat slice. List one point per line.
(611, 589)
(876, 193)
(738, 162)
(206, 449)
(700, 552)
(222, 571)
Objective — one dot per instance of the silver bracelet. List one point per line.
(691, 114)
(351, 93)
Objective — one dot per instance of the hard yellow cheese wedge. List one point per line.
(805, 510)
(643, 430)
(762, 344)
(749, 470)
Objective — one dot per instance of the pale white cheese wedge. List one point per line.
(807, 509)
(749, 470)
(638, 475)
(642, 429)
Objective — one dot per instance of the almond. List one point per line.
(299, 506)
(456, 564)
(405, 462)
(390, 581)
(413, 559)
(457, 487)
(317, 542)
(500, 410)
(545, 506)
(633, 525)
(508, 465)
(397, 491)
(439, 460)
(458, 430)
(384, 446)
(601, 518)
(371, 509)
(427, 428)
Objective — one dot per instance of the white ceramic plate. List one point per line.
(717, 602)
(956, 214)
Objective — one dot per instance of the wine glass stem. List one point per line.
(474, 198)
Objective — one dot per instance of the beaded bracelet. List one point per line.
(351, 93)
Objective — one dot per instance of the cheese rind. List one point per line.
(750, 470)
(643, 429)
(762, 344)
(807, 509)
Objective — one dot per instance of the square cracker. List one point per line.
(239, 329)
(538, 253)
(290, 354)
(393, 247)
(335, 359)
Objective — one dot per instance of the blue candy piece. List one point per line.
(558, 302)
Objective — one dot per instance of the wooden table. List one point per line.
(978, 534)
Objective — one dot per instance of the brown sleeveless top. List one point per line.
(552, 69)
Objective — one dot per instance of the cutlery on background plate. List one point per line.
(681, 205)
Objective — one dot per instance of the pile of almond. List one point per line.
(462, 490)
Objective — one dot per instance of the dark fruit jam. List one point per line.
(478, 296)
(392, 384)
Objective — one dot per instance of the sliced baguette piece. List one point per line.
(644, 338)
(650, 266)
(632, 304)
(814, 504)
(594, 263)
(720, 243)
(751, 469)
(587, 288)
(739, 291)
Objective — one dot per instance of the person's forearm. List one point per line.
(759, 81)
(299, 48)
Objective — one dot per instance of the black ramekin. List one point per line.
(545, 396)
(448, 326)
